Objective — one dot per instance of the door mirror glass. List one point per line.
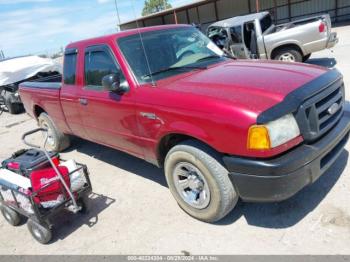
(112, 83)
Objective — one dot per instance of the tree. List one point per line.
(154, 6)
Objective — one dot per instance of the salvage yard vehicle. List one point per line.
(16, 70)
(255, 36)
(223, 129)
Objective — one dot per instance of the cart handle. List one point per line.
(76, 208)
(33, 132)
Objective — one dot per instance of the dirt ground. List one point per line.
(133, 212)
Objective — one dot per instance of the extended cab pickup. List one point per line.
(222, 129)
(255, 36)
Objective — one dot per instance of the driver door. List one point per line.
(108, 118)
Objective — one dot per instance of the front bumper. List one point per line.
(276, 179)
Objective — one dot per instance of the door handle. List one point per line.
(83, 101)
(148, 115)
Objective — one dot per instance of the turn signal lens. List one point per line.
(258, 137)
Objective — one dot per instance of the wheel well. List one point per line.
(169, 141)
(38, 110)
(291, 46)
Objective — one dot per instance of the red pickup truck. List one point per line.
(222, 129)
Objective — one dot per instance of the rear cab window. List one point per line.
(70, 66)
(266, 23)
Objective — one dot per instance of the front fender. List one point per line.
(188, 129)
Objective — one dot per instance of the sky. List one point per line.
(44, 26)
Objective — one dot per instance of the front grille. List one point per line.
(320, 113)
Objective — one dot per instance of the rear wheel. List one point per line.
(40, 232)
(11, 216)
(14, 108)
(56, 141)
(288, 54)
(84, 204)
(199, 182)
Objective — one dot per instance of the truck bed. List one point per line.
(51, 82)
(300, 22)
(44, 94)
(42, 85)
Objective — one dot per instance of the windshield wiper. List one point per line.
(174, 69)
(226, 54)
(229, 55)
(208, 57)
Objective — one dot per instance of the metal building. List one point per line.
(205, 12)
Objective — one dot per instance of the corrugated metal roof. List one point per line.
(169, 11)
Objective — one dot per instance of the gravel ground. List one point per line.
(132, 211)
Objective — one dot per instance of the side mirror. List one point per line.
(111, 83)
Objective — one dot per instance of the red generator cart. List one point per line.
(37, 184)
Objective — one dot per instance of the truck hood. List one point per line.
(253, 85)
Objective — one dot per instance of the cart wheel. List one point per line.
(11, 216)
(40, 232)
(83, 202)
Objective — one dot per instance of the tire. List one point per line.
(290, 53)
(211, 176)
(57, 140)
(11, 216)
(14, 108)
(306, 57)
(40, 232)
(83, 202)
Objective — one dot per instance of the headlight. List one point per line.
(273, 134)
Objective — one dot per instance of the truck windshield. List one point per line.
(164, 53)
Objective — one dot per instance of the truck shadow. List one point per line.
(120, 159)
(66, 223)
(325, 62)
(289, 212)
(271, 215)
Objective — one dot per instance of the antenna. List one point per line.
(143, 46)
(116, 8)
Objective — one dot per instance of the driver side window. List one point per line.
(99, 63)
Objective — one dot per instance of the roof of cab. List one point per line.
(239, 20)
(112, 37)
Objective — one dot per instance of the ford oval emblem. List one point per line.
(333, 109)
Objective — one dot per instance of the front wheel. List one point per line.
(40, 232)
(199, 182)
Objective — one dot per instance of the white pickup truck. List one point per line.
(255, 36)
